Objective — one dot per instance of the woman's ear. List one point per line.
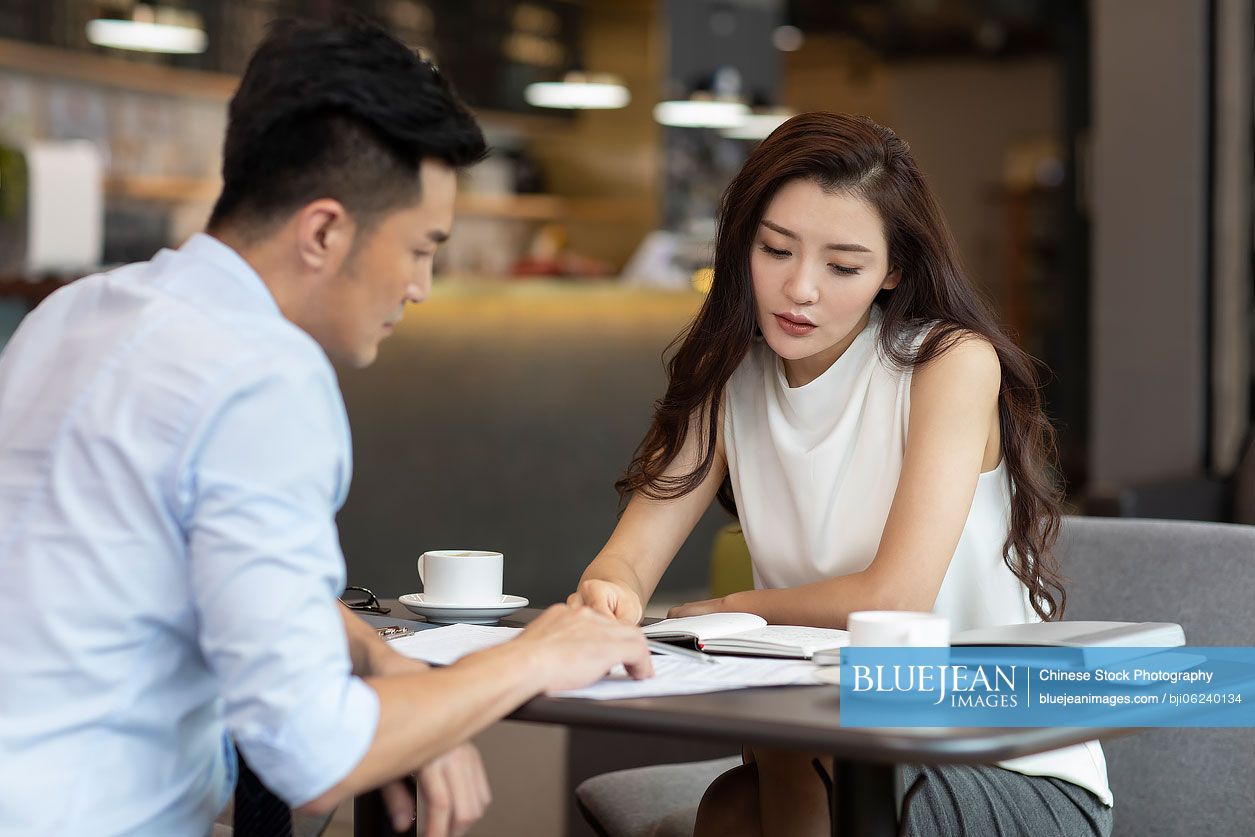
(892, 278)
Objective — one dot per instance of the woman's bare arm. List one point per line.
(625, 572)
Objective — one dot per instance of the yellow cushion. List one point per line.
(730, 562)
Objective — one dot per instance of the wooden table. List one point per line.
(805, 718)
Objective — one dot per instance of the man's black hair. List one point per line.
(341, 111)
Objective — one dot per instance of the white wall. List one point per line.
(962, 117)
(1147, 321)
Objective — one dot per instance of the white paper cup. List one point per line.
(461, 576)
(898, 629)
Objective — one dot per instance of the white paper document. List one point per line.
(672, 675)
(676, 676)
(445, 646)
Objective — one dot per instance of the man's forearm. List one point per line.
(359, 644)
(370, 654)
(426, 713)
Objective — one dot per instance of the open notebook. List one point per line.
(745, 633)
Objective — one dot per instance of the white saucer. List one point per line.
(482, 613)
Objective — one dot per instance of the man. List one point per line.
(173, 449)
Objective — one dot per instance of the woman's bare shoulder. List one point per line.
(967, 366)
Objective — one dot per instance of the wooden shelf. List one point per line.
(164, 189)
(32, 292)
(93, 68)
(510, 207)
(552, 208)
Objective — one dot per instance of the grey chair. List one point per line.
(658, 801)
(1201, 575)
(1166, 781)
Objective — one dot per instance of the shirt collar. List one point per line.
(206, 248)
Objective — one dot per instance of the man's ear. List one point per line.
(892, 278)
(324, 234)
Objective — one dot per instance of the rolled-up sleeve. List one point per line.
(261, 483)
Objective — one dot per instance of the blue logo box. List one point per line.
(1046, 687)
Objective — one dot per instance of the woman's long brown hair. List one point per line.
(856, 156)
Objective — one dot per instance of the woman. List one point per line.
(846, 394)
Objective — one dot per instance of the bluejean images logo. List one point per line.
(1031, 687)
(964, 686)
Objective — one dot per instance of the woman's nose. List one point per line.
(801, 289)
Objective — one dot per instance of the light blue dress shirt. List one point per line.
(172, 455)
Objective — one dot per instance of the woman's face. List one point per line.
(818, 261)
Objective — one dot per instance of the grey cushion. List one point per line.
(679, 823)
(1201, 575)
(656, 801)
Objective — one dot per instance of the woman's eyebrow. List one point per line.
(787, 233)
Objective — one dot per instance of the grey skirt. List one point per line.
(980, 799)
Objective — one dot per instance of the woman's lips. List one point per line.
(793, 327)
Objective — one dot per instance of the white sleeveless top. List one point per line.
(814, 470)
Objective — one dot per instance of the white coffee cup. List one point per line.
(460, 576)
(897, 629)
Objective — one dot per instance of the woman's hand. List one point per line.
(612, 598)
(719, 605)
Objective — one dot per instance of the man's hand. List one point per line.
(615, 600)
(455, 794)
(698, 608)
(574, 645)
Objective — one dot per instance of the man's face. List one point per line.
(389, 266)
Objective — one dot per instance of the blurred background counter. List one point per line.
(498, 417)
(1094, 159)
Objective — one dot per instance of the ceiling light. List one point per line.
(579, 91)
(787, 38)
(757, 126)
(716, 102)
(151, 29)
(700, 113)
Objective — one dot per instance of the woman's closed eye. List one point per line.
(777, 253)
